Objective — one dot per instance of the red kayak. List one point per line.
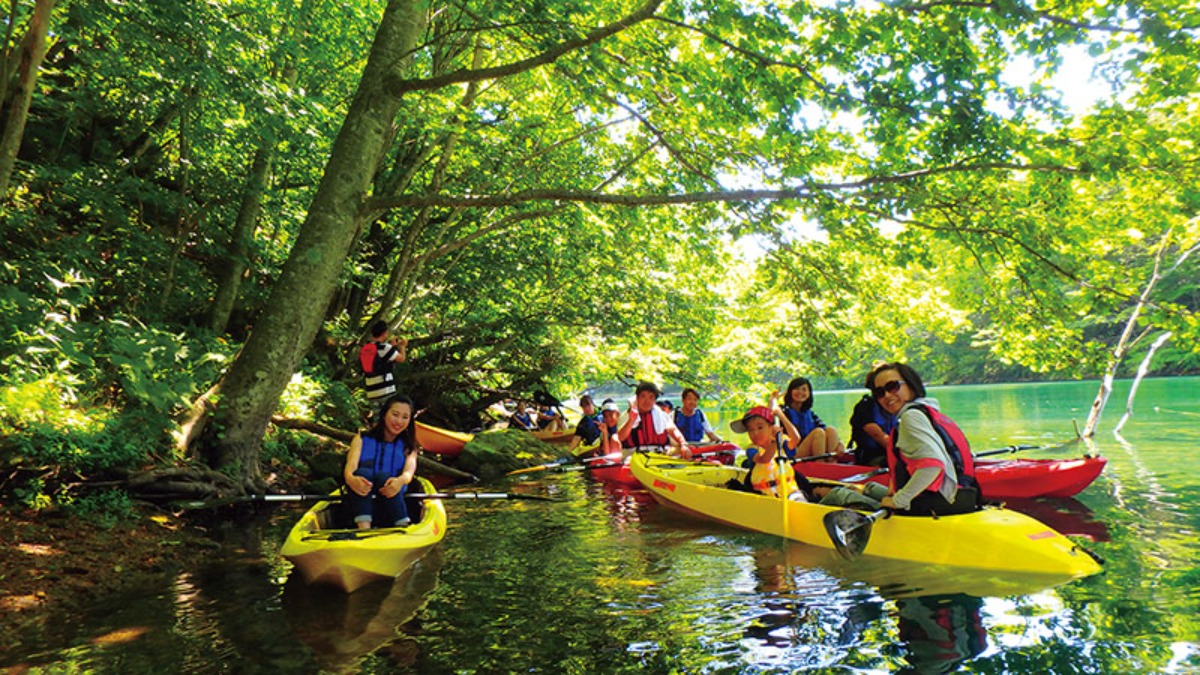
(998, 479)
(612, 468)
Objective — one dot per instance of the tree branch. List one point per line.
(547, 57)
(1041, 14)
(587, 197)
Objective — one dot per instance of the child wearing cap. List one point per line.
(772, 474)
(768, 476)
(610, 418)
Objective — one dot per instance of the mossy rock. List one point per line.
(326, 464)
(321, 486)
(494, 453)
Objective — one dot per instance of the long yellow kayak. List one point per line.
(992, 539)
(326, 552)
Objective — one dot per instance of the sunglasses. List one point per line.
(889, 388)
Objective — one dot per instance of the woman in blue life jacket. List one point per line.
(523, 419)
(381, 464)
(870, 427)
(690, 419)
(931, 466)
(816, 438)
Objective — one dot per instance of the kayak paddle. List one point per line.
(849, 530)
(212, 503)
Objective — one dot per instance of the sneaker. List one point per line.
(403, 522)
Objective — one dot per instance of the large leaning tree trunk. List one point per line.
(250, 390)
(32, 51)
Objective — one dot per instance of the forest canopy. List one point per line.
(207, 204)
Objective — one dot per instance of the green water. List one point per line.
(607, 582)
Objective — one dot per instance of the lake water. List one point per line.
(607, 582)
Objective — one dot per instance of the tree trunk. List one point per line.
(33, 50)
(242, 238)
(1124, 344)
(251, 388)
(1141, 373)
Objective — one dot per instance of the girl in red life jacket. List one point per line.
(931, 465)
(768, 476)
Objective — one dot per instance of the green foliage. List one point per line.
(104, 509)
(898, 128)
(123, 442)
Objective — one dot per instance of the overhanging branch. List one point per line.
(778, 194)
(547, 57)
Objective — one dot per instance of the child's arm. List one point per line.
(793, 435)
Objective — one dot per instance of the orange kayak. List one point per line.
(441, 441)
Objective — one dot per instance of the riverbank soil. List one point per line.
(51, 563)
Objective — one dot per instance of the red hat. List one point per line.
(739, 426)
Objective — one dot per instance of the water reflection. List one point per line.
(940, 632)
(1065, 514)
(344, 628)
(626, 504)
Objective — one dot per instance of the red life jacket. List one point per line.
(644, 436)
(366, 357)
(957, 447)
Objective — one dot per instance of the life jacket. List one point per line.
(371, 359)
(588, 429)
(774, 479)
(804, 420)
(377, 369)
(866, 449)
(957, 448)
(382, 457)
(691, 427)
(644, 436)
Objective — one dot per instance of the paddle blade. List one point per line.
(849, 531)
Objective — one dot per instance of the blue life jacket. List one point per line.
(804, 420)
(588, 429)
(382, 457)
(691, 427)
(866, 449)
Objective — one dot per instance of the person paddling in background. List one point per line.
(816, 438)
(381, 464)
(870, 427)
(648, 427)
(930, 460)
(690, 419)
(587, 431)
(377, 358)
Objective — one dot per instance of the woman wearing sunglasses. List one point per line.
(930, 460)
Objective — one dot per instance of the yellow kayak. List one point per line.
(992, 539)
(326, 552)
